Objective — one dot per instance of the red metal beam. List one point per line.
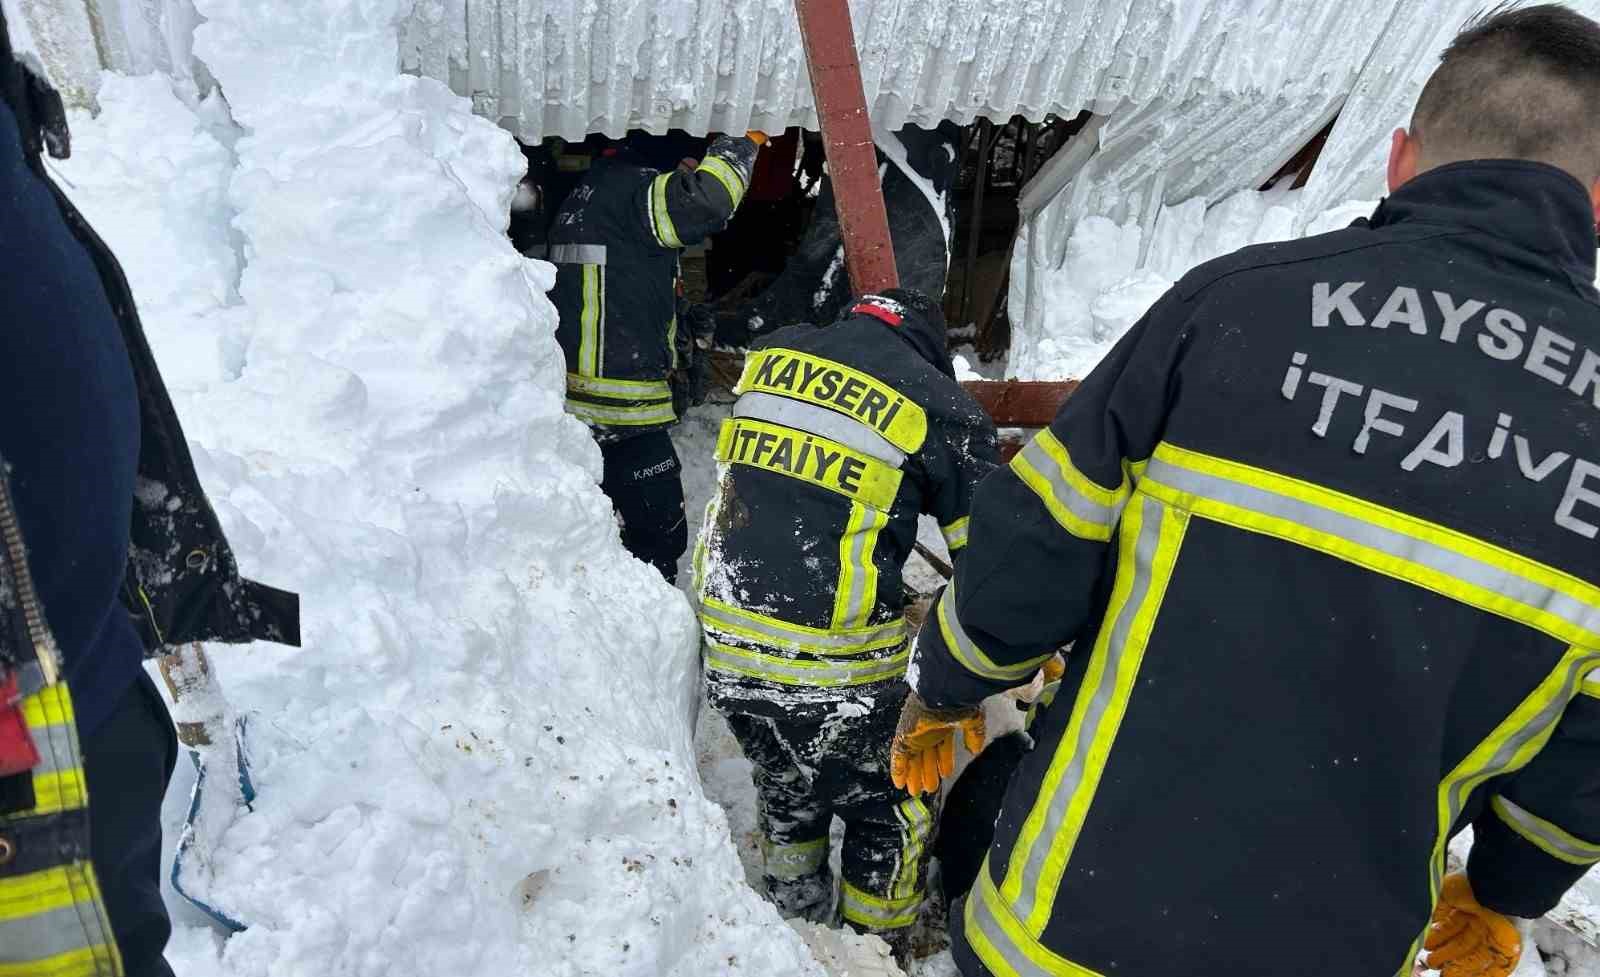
(830, 44)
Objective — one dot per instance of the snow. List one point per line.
(481, 762)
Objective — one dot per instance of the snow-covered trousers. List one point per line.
(805, 773)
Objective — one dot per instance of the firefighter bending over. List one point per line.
(1323, 530)
(615, 244)
(840, 438)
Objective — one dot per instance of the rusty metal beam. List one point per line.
(830, 45)
(1021, 403)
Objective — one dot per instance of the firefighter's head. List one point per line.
(1520, 82)
(916, 317)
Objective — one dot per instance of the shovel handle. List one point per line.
(187, 672)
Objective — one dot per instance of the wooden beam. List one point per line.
(830, 46)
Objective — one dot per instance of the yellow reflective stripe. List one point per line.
(1004, 944)
(50, 706)
(672, 340)
(809, 458)
(619, 389)
(793, 861)
(966, 651)
(1591, 685)
(874, 912)
(1082, 507)
(54, 922)
(1513, 743)
(591, 321)
(1548, 837)
(955, 534)
(1150, 537)
(717, 616)
(708, 524)
(789, 373)
(621, 416)
(830, 673)
(660, 216)
(63, 790)
(857, 592)
(1393, 543)
(731, 179)
(916, 827)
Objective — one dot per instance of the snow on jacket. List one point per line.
(840, 438)
(615, 244)
(1322, 528)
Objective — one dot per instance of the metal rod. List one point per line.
(830, 47)
(985, 146)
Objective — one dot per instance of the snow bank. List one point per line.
(1111, 275)
(481, 761)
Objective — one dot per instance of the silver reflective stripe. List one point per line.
(60, 752)
(819, 420)
(1554, 840)
(578, 254)
(1144, 556)
(744, 625)
(619, 389)
(35, 938)
(826, 673)
(980, 916)
(793, 861)
(966, 651)
(1086, 509)
(859, 906)
(1410, 548)
(538, 251)
(858, 567)
(916, 824)
(1591, 685)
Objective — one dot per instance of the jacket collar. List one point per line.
(1534, 208)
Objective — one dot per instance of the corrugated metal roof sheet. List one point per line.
(569, 67)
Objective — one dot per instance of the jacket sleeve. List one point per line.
(1041, 528)
(1540, 831)
(971, 452)
(681, 207)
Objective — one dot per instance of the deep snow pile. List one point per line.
(1103, 286)
(481, 762)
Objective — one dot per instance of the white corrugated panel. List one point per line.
(569, 67)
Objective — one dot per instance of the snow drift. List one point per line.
(480, 763)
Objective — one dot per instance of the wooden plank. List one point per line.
(1021, 403)
(830, 45)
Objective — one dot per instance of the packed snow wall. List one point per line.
(480, 763)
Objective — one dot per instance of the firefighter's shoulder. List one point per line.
(1277, 254)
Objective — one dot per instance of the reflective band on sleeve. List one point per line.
(875, 912)
(825, 674)
(602, 415)
(794, 861)
(578, 254)
(1393, 543)
(809, 458)
(800, 376)
(719, 618)
(967, 652)
(1547, 837)
(660, 218)
(1149, 540)
(50, 706)
(591, 321)
(955, 534)
(53, 924)
(1082, 507)
(806, 417)
(857, 592)
(1004, 944)
(724, 173)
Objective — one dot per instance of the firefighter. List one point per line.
(1321, 530)
(109, 551)
(615, 243)
(840, 438)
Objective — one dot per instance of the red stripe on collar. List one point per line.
(879, 312)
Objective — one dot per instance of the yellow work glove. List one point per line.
(756, 136)
(1467, 940)
(924, 747)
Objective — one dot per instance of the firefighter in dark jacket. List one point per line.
(1321, 531)
(841, 437)
(108, 551)
(615, 244)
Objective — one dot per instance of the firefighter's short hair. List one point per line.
(1518, 82)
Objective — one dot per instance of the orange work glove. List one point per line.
(1054, 667)
(924, 747)
(1467, 940)
(756, 136)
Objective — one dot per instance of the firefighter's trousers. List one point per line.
(807, 772)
